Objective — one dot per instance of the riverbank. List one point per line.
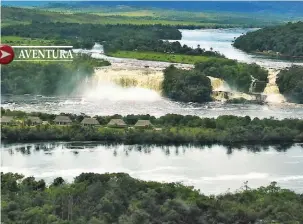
(277, 56)
(168, 129)
(172, 135)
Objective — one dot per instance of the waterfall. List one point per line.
(113, 84)
(252, 84)
(151, 79)
(222, 91)
(145, 78)
(271, 90)
(219, 84)
(97, 48)
(131, 77)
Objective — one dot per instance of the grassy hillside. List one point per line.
(157, 56)
(13, 15)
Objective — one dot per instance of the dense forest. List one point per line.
(290, 83)
(120, 199)
(284, 40)
(174, 129)
(47, 78)
(85, 35)
(134, 38)
(237, 75)
(186, 86)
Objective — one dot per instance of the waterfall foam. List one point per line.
(131, 77)
(271, 90)
(222, 91)
(110, 91)
(252, 84)
(219, 84)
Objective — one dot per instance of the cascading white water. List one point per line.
(221, 89)
(252, 84)
(219, 84)
(131, 77)
(135, 74)
(132, 81)
(113, 92)
(271, 90)
(120, 84)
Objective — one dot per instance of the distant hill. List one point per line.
(294, 8)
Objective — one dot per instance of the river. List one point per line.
(109, 98)
(212, 169)
(221, 40)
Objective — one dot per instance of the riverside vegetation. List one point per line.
(47, 78)
(283, 40)
(174, 129)
(118, 198)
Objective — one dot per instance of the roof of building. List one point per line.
(6, 119)
(61, 118)
(116, 122)
(143, 123)
(89, 120)
(34, 119)
(45, 122)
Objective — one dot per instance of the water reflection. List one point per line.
(76, 147)
(211, 168)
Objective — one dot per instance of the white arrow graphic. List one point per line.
(4, 54)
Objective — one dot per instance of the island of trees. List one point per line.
(186, 86)
(194, 86)
(283, 40)
(290, 82)
(120, 199)
(168, 129)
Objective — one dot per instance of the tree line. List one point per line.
(85, 35)
(174, 129)
(113, 37)
(47, 78)
(118, 198)
(282, 40)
